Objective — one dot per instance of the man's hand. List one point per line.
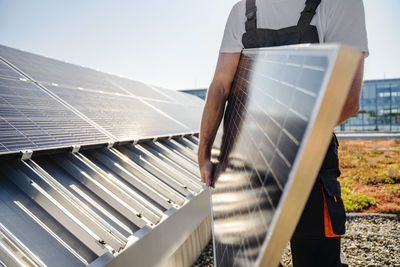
(214, 110)
(206, 172)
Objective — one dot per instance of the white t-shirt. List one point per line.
(337, 21)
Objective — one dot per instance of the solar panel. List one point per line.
(121, 108)
(283, 106)
(49, 71)
(125, 117)
(32, 119)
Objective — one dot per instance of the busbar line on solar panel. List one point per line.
(32, 119)
(283, 106)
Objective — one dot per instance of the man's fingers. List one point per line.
(205, 176)
(206, 173)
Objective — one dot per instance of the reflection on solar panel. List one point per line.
(136, 88)
(125, 117)
(280, 116)
(186, 114)
(32, 119)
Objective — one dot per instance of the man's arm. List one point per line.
(352, 104)
(217, 95)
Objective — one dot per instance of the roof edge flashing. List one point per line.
(170, 233)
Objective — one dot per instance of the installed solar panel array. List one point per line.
(105, 161)
(32, 119)
(99, 107)
(271, 115)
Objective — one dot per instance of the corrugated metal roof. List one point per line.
(69, 209)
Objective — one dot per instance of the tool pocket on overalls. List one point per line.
(334, 212)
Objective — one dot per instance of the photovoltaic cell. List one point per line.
(32, 119)
(126, 118)
(271, 114)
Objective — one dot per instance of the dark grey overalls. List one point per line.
(312, 243)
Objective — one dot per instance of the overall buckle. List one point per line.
(251, 14)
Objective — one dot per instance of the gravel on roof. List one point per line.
(370, 240)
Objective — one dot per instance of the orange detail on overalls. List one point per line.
(327, 220)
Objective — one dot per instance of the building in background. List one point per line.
(379, 111)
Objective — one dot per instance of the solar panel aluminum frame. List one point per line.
(156, 137)
(311, 152)
(87, 146)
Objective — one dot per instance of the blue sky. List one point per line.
(172, 44)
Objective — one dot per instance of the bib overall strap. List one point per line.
(308, 13)
(251, 14)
